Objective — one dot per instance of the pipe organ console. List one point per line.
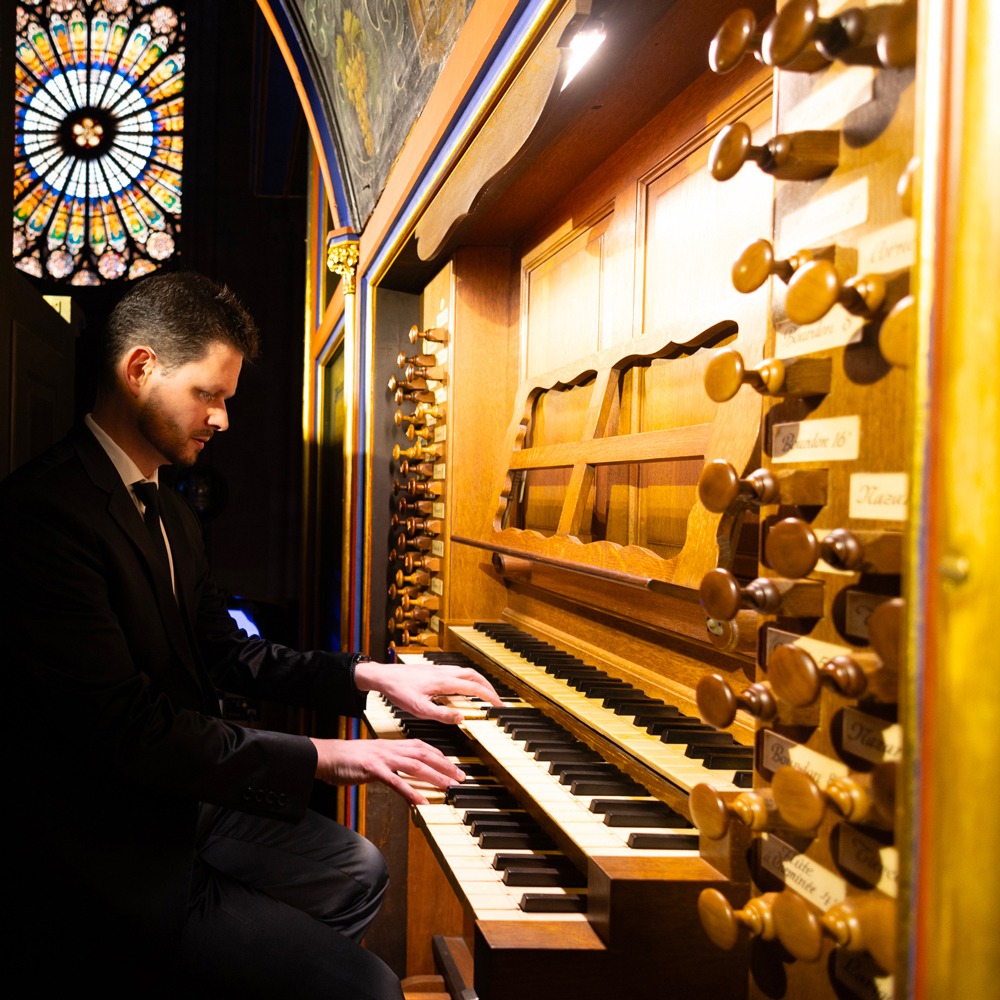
(651, 475)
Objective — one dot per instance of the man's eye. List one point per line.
(206, 397)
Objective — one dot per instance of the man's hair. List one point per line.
(180, 315)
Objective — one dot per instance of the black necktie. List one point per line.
(150, 498)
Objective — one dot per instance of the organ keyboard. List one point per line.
(679, 491)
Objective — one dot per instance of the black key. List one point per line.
(471, 815)
(598, 786)
(567, 753)
(552, 876)
(663, 841)
(743, 779)
(728, 762)
(542, 902)
(704, 738)
(528, 839)
(501, 862)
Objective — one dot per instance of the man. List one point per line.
(166, 843)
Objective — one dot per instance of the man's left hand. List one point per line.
(414, 686)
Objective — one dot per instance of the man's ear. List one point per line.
(138, 365)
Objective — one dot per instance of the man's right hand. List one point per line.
(354, 762)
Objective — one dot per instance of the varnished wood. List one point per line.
(801, 156)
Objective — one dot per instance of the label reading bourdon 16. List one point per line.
(779, 751)
(836, 439)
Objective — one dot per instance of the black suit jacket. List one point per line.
(112, 704)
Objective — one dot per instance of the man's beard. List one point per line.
(166, 436)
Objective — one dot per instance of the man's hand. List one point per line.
(414, 686)
(353, 762)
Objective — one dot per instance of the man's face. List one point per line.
(183, 408)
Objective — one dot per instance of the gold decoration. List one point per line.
(342, 259)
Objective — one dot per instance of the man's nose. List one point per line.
(218, 417)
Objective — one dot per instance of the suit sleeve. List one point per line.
(100, 694)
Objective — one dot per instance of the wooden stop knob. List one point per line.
(865, 923)
(815, 289)
(719, 487)
(797, 926)
(436, 334)
(737, 36)
(722, 923)
(726, 372)
(791, 548)
(798, 26)
(799, 156)
(722, 596)
(898, 332)
(885, 631)
(718, 703)
(797, 678)
(799, 800)
(897, 40)
(713, 814)
(757, 263)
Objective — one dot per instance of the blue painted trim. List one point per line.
(294, 43)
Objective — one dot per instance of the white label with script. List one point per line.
(837, 328)
(879, 496)
(810, 880)
(877, 864)
(837, 439)
(889, 249)
(779, 751)
(834, 213)
(872, 738)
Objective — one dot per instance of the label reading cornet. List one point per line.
(888, 249)
(877, 864)
(836, 439)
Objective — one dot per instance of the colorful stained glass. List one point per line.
(99, 120)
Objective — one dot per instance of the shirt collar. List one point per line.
(126, 468)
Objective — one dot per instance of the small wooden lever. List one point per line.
(757, 263)
(436, 334)
(799, 156)
(719, 486)
(722, 596)
(418, 360)
(419, 469)
(737, 36)
(793, 549)
(815, 289)
(712, 812)
(803, 804)
(726, 372)
(797, 678)
(418, 451)
(415, 431)
(718, 703)
(401, 394)
(859, 923)
(880, 35)
(418, 373)
(722, 923)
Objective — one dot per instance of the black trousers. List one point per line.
(279, 909)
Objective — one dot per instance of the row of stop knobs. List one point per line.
(415, 523)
